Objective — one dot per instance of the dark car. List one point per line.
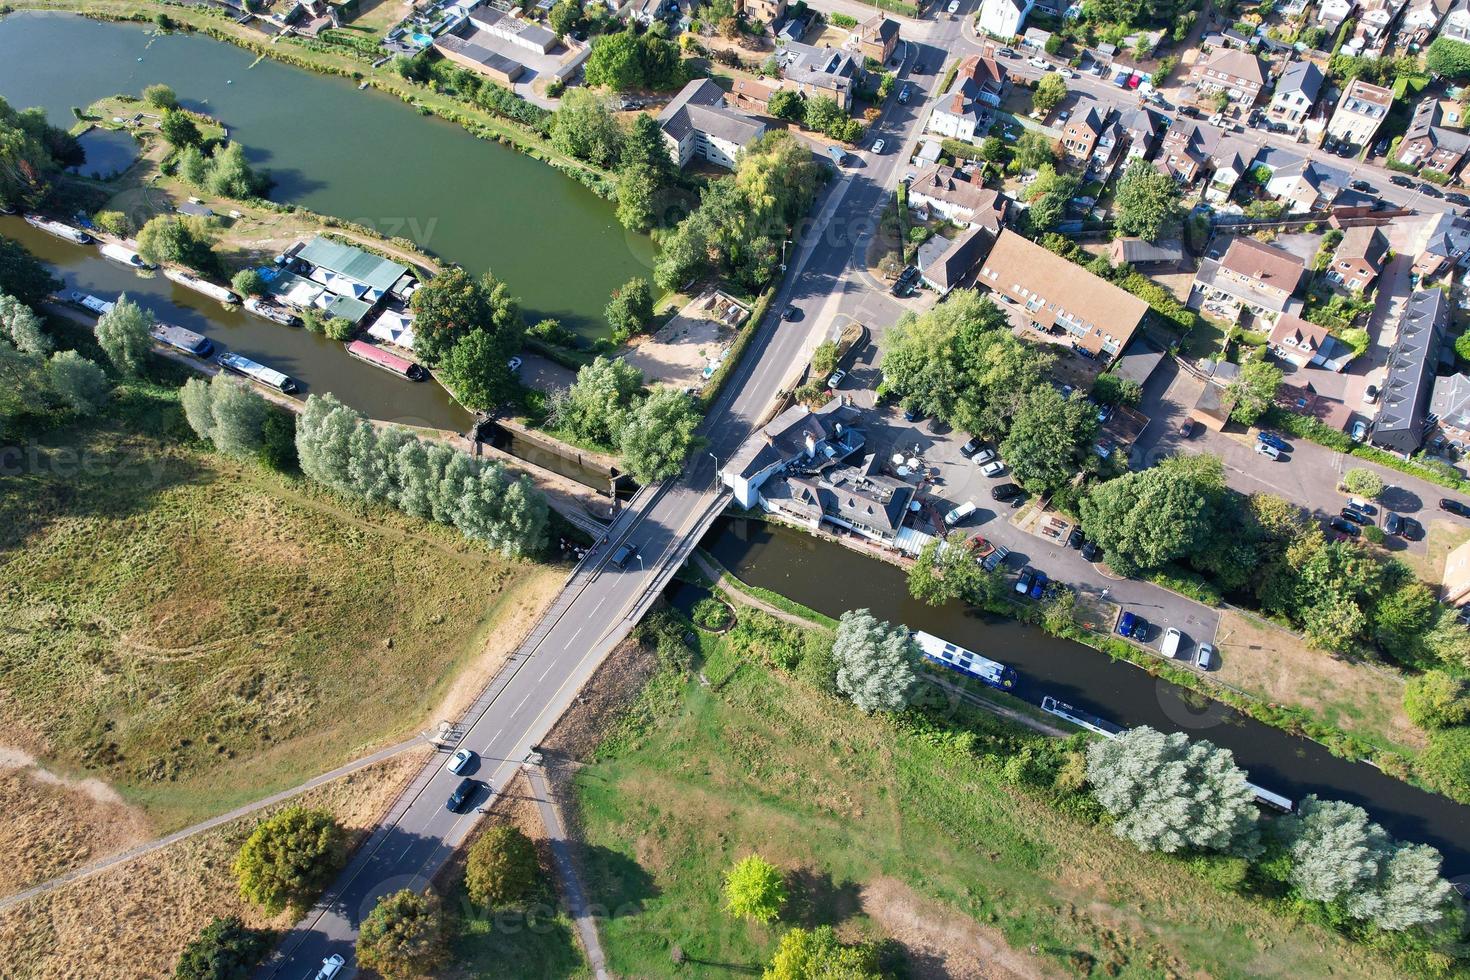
(461, 796)
(1186, 428)
(1075, 539)
(1090, 551)
(912, 415)
(1189, 110)
(1356, 516)
(1399, 180)
(970, 448)
(1393, 524)
(1455, 197)
(1429, 190)
(1005, 491)
(1274, 441)
(1454, 507)
(1410, 529)
(1344, 526)
(1023, 582)
(622, 556)
(1126, 624)
(1038, 585)
(792, 313)
(1361, 185)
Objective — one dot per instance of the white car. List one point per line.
(836, 380)
(954, 6)
(331, 966)
(993, 468)
(1066, 73)
(459, 761)
(984, 456)
(878, 146)
(1038, 63)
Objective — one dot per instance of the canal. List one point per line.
(832, 579)
(318, 364)
(359, 155)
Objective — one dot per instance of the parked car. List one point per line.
(1393, 524)
(1132, 625)
(1274, 441)
(1429, 190)
(461, 796)
(960, 514)
(996, 558)
(1356, 516)
(792, 313)
(1172, 641)
(1455, 197)
(1344, 526)
(1361, 185)
(1205, 659)
(1023, 582)
(984, 456)
(1186, 428)
(1189, 110)
(970, 448)
(1066, 72)
(1399, 180)
(1038, 63)
(1005, 491)
(1104, 413)
(1370, 395)
(1266, 449)
(1454, 506)
(1410, 529)
(993, 468)
(331, 967)
(1090, 551)
(1006, 53)
(1038, 585)
(836, 380)
(879, 144)
(954, 6)
(1362, 506)
(1360, 430)
(912, 415)
(1075, 539)
(460, 761)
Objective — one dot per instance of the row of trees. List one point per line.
(341, 449)
(586, 128)
(742, 219)
(820, 113)
(961, 363)
(606, 406)
(35, 381)
(238, 421)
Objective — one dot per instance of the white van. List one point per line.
(1172, 639)
(1266, 449)
(960, 514)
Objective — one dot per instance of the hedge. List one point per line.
(737, 349)
(1306, 427)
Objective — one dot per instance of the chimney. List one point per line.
(811, 445)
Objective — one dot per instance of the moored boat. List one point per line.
(190, 281)
(90, 303)
(270, 377)
(60, 229)
(125, 255)
(388, 361)
(180, 339)
(272, 312)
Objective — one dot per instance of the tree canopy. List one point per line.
(1051, 89)
(875, 662)
(1049, 438)
(755, 889)
(402, 937)
(626, 61)
(1254, 391)
(657, 437)
(817, 954)
(1144, 520)
(122, 333)
(22, 275)
(32, 155)
(289, 858)
(501, 867)
(180, 240)
(630, 311)
(453, 304)
(226, 949)
(1146, 204)
(585, 127)
(1448, 58)
(595, 407)
(947, 570)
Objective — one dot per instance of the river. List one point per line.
(832, 579)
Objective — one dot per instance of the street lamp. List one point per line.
(784, 243)
(717, 466)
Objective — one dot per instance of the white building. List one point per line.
(1360, 112)
(698, 124)
(1003, 18)
(1296, 93)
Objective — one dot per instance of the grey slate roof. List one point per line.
(1303, 77)
(700, 106)
(1411, 365)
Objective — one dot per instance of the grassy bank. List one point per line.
(902, 828)
(199, 632)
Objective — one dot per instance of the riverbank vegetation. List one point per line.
(739, 747)
(33, 155)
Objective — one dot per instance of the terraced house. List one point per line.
(1239, 74)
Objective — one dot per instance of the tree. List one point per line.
(1048, 436)
(787, 104)
(564, 16)
(1445, 764)
(226, 412)
(122, 333)
(1049, 193)
(248, 282)
(1448, 58)
(1109, 389)
(816, 954)
(22, 276)
(657, 437)
(875, 662)
(402, 937)
(1144, 520)
(637, 196)
(1147, 202)
(186, 241)
(630, 311)
(1169, 794)
(754, 889)
(1362, 482)
(32, 155)
(179, 129)
(584, 127)
(161, 97)
(594, 408)
(477, 370)
(114, 223)
(452, 304)
(1034, 149)
(942, 574)
(1051, 89)
(1435, 699)
(626, 60)
(289, 858)
(226, 949)
(1254, 391)
(231, 176)
(21, 326)
(1401, 616)
(501, 867)
(82, 385)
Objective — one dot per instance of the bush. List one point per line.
(1434, 699)
(290, 858)
(224, 950)
(1445, 765)
(1373, 534)
(501, 868)
(712, 614)
(755, 890)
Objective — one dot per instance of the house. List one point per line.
(877, 37)
(1186, 149)
(1434, 259)
(1141, 128)
(798, 438)
(1165, 255)
(524, 34)
(1213, 407)
(1296, 92)
(1360, 111)
(1358, 258)
(1233, 159)
(814, 71)
(1456, 581)
(764, 11)
(966, 113)
(1054, 292)
(339, 280)
(1420, 21)
(748, 95)
(1302, 186)
(1082, 130)
(1456, 24)
(1428, 144)
(1251, 275)
(698, 124)
(1306, 344)
(1442, 241)
(1002, 18)
(1449, 405)
(859, 498)
(1238, 74)
(952, 194)
(1411, 364)
(945, 263)
(1035, 39)
(1374, 19)
(1331, 13)
(487, 41)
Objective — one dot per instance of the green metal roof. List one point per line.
(354, 263)
(349, 309)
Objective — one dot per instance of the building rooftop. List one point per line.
(1264, 263)
(700, 106)
(1016, 262)
(1411, 364)
(1236, 64)
(1300, 76)
(1372, 101)
(353, 263)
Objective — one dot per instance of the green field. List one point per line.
(699, 775)
(200, 632)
